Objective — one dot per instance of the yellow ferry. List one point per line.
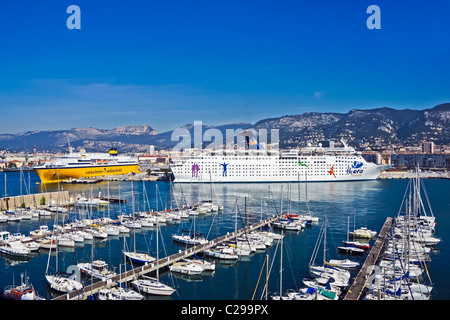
(79, 165)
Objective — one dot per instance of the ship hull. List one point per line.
(275, 169)
(52, 175)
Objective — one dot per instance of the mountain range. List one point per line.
(374, 128)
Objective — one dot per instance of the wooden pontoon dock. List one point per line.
(135, 273)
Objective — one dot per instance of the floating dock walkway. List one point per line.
(135, 273)
(356, 289)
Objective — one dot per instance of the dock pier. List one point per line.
(135, 273)
(356, 289)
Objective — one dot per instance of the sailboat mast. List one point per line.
(157, 250)
(325, 241)
(281, 267)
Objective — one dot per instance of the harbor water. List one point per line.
(345, 204)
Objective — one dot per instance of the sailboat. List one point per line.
(325, 271)
(286, 222)
(205, 264)
(223, 251)
(343, 263)
(190, 237)
(350, 247)
(139, 257)
(404, 274)
(308, 217)
(60, 281)
(280, 296)
(119, 292)
(151, 285)
(243, 245)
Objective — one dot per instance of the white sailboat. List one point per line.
(119, 291)
(325, 271)
(403, 272)
(308, 217)
(190, 237)
(150, 285)
(363, 232)
(206, 265)
(222, 252)
(350, 248)
(138, 257)
(343, 263)
(60, 281)
(280, 294)
(3, 217)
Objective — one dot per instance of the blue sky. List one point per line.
(168, 63)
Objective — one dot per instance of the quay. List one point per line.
(356, 289)
(135, 273)
(36, 200)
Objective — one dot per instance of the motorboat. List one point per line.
(222, 252)
(62, 283)
(152, 286)
(24, 291)
(119, 293)
(97, 269)
(185, 267)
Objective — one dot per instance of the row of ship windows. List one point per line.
(294, 162)
(229, 171)
(271, 165)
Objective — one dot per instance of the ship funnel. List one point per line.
(113, 152)
(251, 141)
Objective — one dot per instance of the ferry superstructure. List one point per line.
(79, 165)
(251, 165)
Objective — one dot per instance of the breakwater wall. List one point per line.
(36, 200)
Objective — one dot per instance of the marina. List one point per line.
(135, 273)
(224, 156)
(256, 203)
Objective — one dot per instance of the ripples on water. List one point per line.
(363, 203)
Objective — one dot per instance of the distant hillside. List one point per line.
(360, 128)
(126, 139)
(58, 139)
(372, 127)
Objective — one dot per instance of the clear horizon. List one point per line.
(166, 64)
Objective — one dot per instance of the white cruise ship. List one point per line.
(250, 165)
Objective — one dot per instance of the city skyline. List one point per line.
(166, 64)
